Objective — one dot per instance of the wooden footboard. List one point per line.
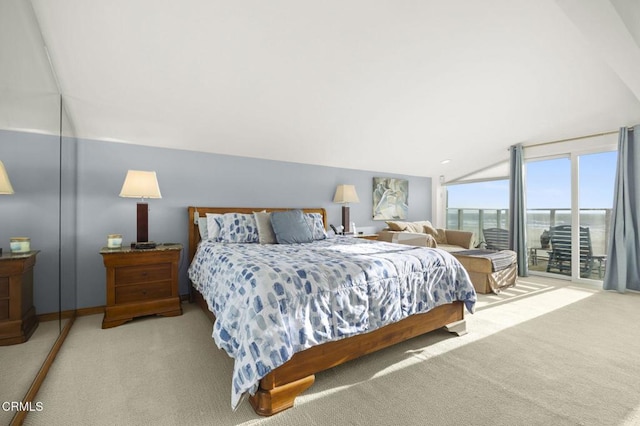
(278, 389)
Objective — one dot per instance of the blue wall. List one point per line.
(186, 178)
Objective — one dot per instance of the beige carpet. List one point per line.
(542, 353)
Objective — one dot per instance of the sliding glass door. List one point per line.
(569, 200)
(596, 179)
(548, 208)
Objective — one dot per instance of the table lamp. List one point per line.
(5, 185)
(346, 194)
(141, 184)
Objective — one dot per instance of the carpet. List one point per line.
(544, 352)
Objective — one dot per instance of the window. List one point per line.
(477, 206)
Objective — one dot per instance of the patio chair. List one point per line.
(496, 238)
(560, 254)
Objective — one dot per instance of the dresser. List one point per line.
(18, 318)
(141, 282)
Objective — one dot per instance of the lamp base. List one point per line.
(142, 222)
(345, 219)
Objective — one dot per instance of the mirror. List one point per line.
(36, 158)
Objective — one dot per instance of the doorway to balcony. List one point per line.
(569, 200)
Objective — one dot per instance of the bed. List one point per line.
(318, 323)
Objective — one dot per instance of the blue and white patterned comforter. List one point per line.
(273, 300)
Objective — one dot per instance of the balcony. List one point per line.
(538, 220)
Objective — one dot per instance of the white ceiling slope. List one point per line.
(378, 85)
(29, 99)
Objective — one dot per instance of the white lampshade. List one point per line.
(140, 184)
(346, 194)
(5, 183)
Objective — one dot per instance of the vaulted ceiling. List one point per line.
(388, 86)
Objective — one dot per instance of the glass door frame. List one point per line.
(573, 155)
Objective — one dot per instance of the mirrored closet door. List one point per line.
(39, 161)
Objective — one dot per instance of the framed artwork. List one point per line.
(390, 198)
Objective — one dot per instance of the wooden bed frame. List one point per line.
(278, 389)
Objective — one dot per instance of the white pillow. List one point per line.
(202, 228)
(213, 228)
(265, 230)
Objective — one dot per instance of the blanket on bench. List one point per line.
(499, 259)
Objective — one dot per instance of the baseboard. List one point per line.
(90, 311)
(84, 311)
(56, 315)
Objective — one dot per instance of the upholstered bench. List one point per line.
(489, 270)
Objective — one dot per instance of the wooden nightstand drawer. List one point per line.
(142, 274)
(143, 291)
(4, 287)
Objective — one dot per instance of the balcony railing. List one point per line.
(538, 220)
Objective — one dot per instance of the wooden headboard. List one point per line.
(194, 233)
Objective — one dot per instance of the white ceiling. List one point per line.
(381, 85)
(29, 98)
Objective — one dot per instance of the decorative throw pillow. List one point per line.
(237, 228)
(396, 226)
(413, 227)
(213, 228)
(314, 220)
(428, 229)
(441, 238)
(265, 230)
(291, 227)
(422, 224)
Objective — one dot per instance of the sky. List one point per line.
(548, 184)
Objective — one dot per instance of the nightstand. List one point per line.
(18, 318)
(141, 282)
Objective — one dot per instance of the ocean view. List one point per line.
(539, 220)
